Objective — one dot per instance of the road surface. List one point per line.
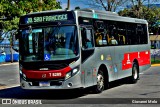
(147, 87)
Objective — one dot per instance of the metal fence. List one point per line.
(155, 55)
(155, 52)
(7, 54)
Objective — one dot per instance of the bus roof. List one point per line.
(104, 15)
(107, 15)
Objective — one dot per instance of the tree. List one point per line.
(13, 9)
(150, 14)
(137, 6)
(108, 5)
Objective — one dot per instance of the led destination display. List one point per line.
(48, 18)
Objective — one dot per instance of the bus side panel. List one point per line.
(145, 67)
(104, 56)
(130, 57)
(141, 53)
(90, 67)
(119, 56)
(145, 57)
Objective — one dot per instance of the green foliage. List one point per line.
(155, 61)
(11, 24)
(16, 8)
(149, 14)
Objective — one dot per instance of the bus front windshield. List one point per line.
(49, 43)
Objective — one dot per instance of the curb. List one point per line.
(7, 87)
(154, 65)
(9, 63)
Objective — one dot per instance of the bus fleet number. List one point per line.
(55, 74)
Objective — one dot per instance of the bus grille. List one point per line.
(52, 83)
(49, 66)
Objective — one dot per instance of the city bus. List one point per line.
(74, 49)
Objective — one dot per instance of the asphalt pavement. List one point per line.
(120, 92)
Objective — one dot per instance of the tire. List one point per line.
(135, 73)
(99, 87)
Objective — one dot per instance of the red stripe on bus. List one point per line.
(48, 74)
(143, 58)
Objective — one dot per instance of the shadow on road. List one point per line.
(119, 82)
(19, 93)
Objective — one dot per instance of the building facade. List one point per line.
(155, 41)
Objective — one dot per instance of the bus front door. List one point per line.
(87, 55)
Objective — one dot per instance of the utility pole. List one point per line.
(11, 45)
(68, 5)
(138, 8)
(148, 4)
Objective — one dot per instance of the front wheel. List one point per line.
(135, 73)
(99, 87)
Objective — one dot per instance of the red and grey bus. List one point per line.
(69, 49)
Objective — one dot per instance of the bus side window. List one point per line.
(87, 38)
(121, 39)
(98, 38)
(113, 41)
(83, 35)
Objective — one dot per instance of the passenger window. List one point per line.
(87, 38)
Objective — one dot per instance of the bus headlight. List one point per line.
(68, 75)
(72, 73)
(75, 71)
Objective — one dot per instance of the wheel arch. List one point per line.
(104, 69)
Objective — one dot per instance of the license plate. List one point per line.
(44, 84)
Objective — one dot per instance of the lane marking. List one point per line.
(10, 79)
(141, 73)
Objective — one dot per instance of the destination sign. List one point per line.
(37, 19)
(47, 17)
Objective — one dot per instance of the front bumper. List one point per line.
(71, 83)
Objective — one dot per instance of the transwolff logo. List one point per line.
(43, 69)
(43, 75)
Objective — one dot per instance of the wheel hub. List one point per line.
(100, 82)
(135, 73)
